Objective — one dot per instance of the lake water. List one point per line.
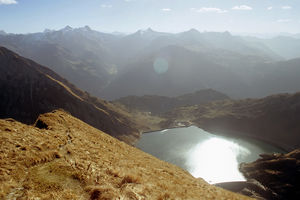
(212, 157)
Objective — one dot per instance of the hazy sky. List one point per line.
(254, 16)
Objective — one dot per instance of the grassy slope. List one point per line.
(69, 159)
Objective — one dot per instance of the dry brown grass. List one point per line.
(72, 160)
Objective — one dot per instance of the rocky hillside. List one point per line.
(274, 118)
(160, 104)
(64, 158)
(278, 173)
(29, 89)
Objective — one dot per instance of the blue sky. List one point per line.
(252, 16)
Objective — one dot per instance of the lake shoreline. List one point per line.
(179, 147)
(283, 147)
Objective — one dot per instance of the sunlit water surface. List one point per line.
(211, 157)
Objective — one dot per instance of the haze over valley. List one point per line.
(148, 62)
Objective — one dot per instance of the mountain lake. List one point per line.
(215, 158)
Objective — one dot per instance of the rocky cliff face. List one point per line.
(64, 158)
(279, 175)
(29, 89)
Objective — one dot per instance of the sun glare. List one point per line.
(215, 160)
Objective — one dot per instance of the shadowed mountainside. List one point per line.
(160, 104)
(72, 160)
(274, 118)
(173, 71)
(29, 89)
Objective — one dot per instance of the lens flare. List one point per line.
(160, 65)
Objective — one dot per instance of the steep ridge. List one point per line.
(68, 159)
(29, 89)
(274, 118)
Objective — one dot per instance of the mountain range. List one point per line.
(111, 66)
(175, 71)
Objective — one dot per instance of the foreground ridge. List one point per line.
(29, 89)
(61, 157)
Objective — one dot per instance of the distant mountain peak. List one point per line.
(85, 28)
(193, 30)
(67, 28)
(144, 31)
(227, 33)
(48, 30)
(149, 30)
(3, 32)
(148, 33)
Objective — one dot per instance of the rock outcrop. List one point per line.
(64, 158)
(278, 175)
